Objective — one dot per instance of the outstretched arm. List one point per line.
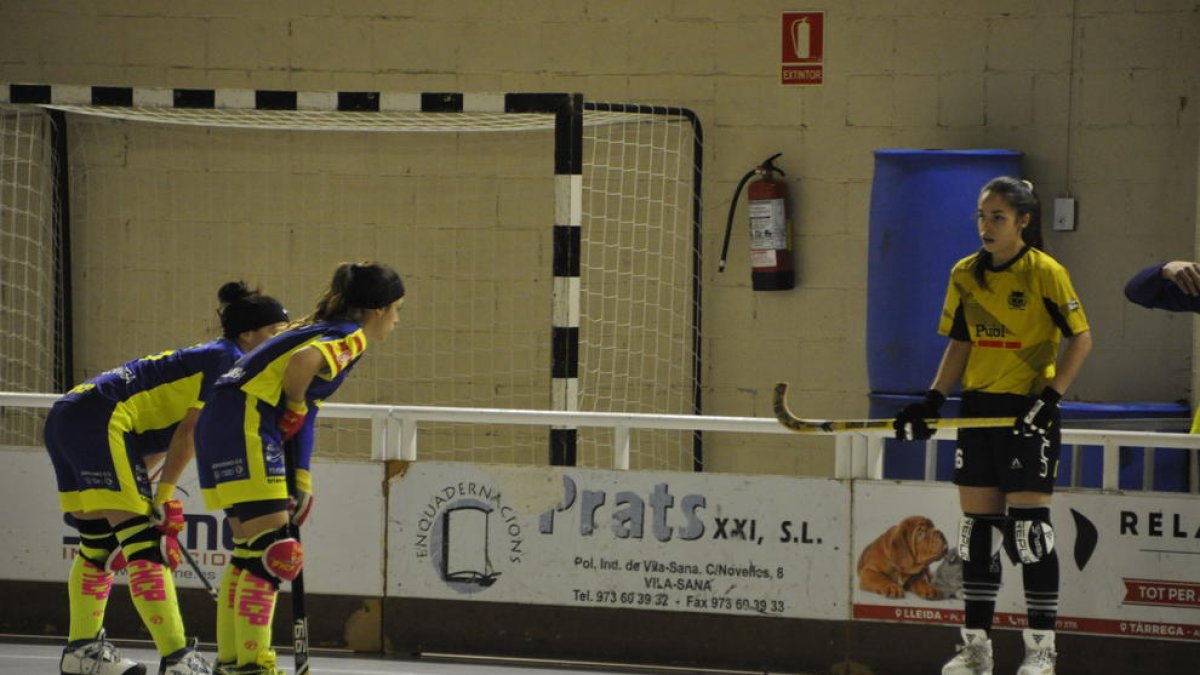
(1173, 286)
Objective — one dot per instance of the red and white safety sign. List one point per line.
(803, 48)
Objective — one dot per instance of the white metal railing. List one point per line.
(858, 454)
(862, 453)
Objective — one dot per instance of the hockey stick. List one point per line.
(216, 596)
(212, 592)
(299, 611)
(803, 426)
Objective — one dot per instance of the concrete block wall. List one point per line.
(1102, 96)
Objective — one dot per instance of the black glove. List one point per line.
(910, 422)
(1039, 417)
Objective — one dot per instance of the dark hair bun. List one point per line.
(233, 291)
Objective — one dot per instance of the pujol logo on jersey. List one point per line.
(990, 330)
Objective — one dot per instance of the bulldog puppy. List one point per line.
(899, 559)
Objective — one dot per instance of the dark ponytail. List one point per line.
(356, 287)
(244, 310)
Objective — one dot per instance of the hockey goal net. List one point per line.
(160, 204)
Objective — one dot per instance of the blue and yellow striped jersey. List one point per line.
(260, 372)
(259, 375)
(158, 390)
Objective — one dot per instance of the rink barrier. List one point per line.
(567, 597)
(394, 435)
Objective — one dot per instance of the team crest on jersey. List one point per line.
(122, 372)
(1072, 305)
(233, 375)
(342, 352)
(1017, 300)
(273, 456)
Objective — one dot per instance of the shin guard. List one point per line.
(253, 611)
(226, 614)
(90, 581)
(980, 539)
(151, 585)
(1033, 541)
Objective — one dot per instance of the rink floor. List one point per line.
(18, 657)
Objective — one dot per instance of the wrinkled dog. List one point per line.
(899, 559)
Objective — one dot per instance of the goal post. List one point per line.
(34, 329)
(550, 244)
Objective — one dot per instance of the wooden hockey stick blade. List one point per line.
(811, 426)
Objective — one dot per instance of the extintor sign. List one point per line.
(803, 48)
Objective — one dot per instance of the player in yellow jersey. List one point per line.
(270, 398)
(102, 435)
(1007, 308)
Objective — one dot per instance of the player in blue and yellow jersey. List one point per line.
(1173, 286)
(269, 398)
(102, 436)
(1007, 308)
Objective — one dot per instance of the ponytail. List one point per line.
(243, 309)
(356, 287)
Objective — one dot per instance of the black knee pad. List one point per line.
(94, 534)
(1029, 536)
(263, 561)
(980, 538)
(137, 531)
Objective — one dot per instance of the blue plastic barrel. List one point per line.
(1171, 465)
(922, 221)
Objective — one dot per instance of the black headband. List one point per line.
(251, 313)
(373, 287)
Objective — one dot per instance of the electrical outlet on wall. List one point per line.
(1064, 214)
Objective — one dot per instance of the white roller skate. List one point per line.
(97, 657)
(185, 661)
(974, 655)
(1039, 652)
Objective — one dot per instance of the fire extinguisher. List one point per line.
(770, 236)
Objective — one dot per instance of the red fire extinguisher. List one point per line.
(770, 235)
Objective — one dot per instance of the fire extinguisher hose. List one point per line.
(729, 218)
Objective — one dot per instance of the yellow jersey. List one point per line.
(1014, 324)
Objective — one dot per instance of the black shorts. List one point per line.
(998, 458)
